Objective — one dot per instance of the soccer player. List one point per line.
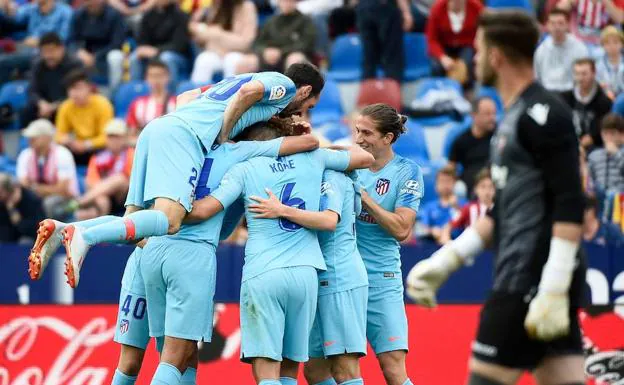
(177, 144)
(180, 270)
(392, 190)
(343, 287)
(530, 320)
(280, 283)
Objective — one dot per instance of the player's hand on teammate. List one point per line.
(301, 128)
(426, 277)
(548, 316)
(266, 208)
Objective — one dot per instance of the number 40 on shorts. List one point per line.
(140, 305)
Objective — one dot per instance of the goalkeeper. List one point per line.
(530, 320)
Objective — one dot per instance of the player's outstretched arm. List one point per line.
(272, 208)
(359, 158)
(249, 94)
(203, 209)
(296, 144)
(426, 277)
(398, 224)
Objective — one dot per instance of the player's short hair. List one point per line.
(586, 61)
(482, 175)
(387, 119)
(274, 128)
(74, 77)
(447, 170)
(512, 31)
(559, 12)
(157, 63)
(50, 38)
(612, 121)
(303, 74)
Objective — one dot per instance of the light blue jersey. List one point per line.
(204, 115)
(345, 269)
(218, 162)
(398, 184)
(295, 179)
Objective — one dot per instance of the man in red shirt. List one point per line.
(159, 102)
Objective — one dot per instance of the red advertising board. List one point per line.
(72, 345)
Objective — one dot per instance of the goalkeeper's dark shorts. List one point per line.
(502, 339)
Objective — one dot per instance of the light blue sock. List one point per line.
(122, 379)
(288, 381)
(189, 377)
(408, 382)
(166, 374)
(355, 381)
(140, 224)
(95, 221)
(269, 382)
(329, 381)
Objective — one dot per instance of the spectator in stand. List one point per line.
(591, 16)
(20, 212)
(472, 148)
(159, 102)
(81, 118)
(434, 215)
(319, 11)
(133, 11)
(229, 31)
(192, 6)
(478, 208)
(39, 18)
(610, 67)
(597, 232)
(164, 34)
(382, 35)
(589, 103)
(46, 90)
(606, 165)
(421, 9)
(556, 55)
(97, 33)
(451, 31)
(342, 20)
(285, 38)
(48, 169)
(108, 175)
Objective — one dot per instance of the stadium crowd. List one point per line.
(81, 79)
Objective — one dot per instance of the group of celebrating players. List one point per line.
(322, 273)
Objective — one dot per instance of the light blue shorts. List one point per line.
(340, 324)
(180, 278)
(167, 161)
(386, 321)
(132, 323)
(277, 312)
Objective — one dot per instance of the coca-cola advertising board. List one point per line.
(72, 345)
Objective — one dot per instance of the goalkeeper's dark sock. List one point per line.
(120, 378)
(288, 381)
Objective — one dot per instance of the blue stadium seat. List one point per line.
(7, 165)
(435, 83)
(412, 144)
(518, 4)
(15, 94)
(452, 134)
(429, 171)
(618, 105)
(346, 59)
(334, 131)
(417, 63)
(184, 86)
(126, 93)
(328, 108)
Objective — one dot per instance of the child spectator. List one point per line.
(81, 119)
(108, 175)
(606, 165)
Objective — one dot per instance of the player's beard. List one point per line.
(294, 108)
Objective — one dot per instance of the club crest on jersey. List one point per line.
(124, 325)
(277, 92)
(382, 186)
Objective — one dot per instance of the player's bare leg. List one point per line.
(561, 370)
(265, 369)
(288, 372)
(317, 371)
(130, 360)
(393, 367)
(345, 367)
(483, 373)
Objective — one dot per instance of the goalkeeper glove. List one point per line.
(549, 312)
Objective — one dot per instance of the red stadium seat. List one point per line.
(386, 91)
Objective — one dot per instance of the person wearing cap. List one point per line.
(46, 168)
(108, 174)
(610, 67)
